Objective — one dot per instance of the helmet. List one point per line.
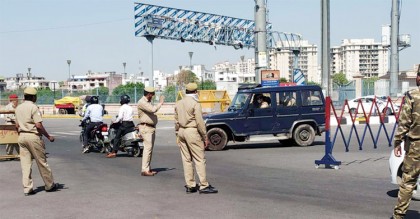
(124, 99)
(87, 99)
(94, 100)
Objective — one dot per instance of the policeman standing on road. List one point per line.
(192, 139)
(30, 129)
(408, 126)
(125, 116)
(11, 120)
(147, 127)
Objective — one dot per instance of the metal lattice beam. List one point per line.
(192, 26)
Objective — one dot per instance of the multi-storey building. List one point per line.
(283, 60)
(360, 57)
(240, 72)
(93, 80)
(20, 81)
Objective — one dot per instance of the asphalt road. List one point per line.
(255, 180)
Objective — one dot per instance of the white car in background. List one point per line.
(395, 167)
(367, 102)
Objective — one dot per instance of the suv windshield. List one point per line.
(238, 102)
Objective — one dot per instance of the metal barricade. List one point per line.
(365, 119)
(211, 101)
(8, 135)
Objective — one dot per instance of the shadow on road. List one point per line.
(412, 214)
(162, 169)
(266, 145)
(393, 193)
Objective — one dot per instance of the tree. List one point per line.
(128, 89)
(207, 85)
(184, 77)
(313, 83)
(340, 79)
(170, 93)
(283, 80)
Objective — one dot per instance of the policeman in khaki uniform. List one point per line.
(147, 127)
(30, 129)
(191, 137)
(11, 120)
(408, 126)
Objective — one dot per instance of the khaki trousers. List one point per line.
(11, 147)
(192, 149)
(33, 147)
(411, 171)
(148, 134)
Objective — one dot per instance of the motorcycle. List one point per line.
(98, 137)
(131, 140)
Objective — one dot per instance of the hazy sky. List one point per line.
(98, 35)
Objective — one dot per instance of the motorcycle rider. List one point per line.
(87, 100)
(125, 118)
(94, 112)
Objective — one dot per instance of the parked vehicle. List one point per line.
(68, 105)
(131, 141)
(368, 103)
(98, 137)
(395, 167)
(293, 116)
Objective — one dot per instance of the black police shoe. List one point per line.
(53, 188)
(208, 190)
(191, 189)
(32, 192)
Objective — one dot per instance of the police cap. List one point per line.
(191, 87)
(30, 91)
(149, 89)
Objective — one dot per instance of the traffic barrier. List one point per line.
(365, 120)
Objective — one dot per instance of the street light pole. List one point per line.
(190, 54)
(124, 64)
(69, 62)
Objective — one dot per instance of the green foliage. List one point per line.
(207, 85)
(170, 93)
(128, 89)
(340, 79)
(283, 80)
(313, 83)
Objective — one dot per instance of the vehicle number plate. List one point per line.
(104, 133)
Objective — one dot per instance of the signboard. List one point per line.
(270, 78)
(298, 77)
(262, 59)
(155, 22)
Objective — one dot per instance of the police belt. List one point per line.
(25, 132)
(188, 127)
(149, 125)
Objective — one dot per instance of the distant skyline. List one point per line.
(98, 35)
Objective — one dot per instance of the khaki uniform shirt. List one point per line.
(188, 114)
(147, 111)
(27, 114)
(409, 120)
(10, 118)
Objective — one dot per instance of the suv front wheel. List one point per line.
(217, 139)
(304, 135)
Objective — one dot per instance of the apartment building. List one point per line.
(93, 80)
(21, 81)
(360, 57)
(240, 72)
(283, 60)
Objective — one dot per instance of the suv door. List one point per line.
(260, 114)
(313, 106)
(286, 110)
